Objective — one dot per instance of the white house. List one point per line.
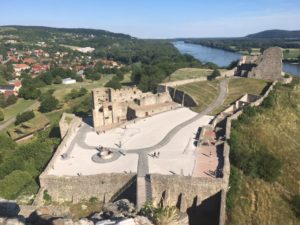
(68, 81)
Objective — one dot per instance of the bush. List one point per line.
(76, 94)
(1, 115)
(93, 200)
(25, 116)
(12, 99)
(47, 198)
(253, 158)
(29, 93)
(14, 183)
(216, 73)
(93, 76)
(296, 205)
(48, 104)
(270, 100)
(268, 166)
(57, 80)
(114, 83)
(234, 183)
(160, 215)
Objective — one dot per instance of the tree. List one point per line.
(57, 80)
(47, 78)
(12, 99)
(114, 83)
(216, 73)
(48, 104)
(1, 115)
(29, 93)
(23, 117)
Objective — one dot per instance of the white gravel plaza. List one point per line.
(176, 157)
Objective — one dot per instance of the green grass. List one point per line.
(20, 106)
(61, 90)
(203, 92)
(127, 79)
(238, 87)
(36, 123)
(54, 116)
(188, 73)
(277, 128)
(291, 53)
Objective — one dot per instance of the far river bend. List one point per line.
(222, 57)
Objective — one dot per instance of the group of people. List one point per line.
(155, 155)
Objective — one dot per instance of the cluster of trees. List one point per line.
(6, 73)
(10, 100)
(23, 117)
(56, 75)
(163, 61)
(21, 165)
(76, 93)
(2, 116)
(215, 73)
(48, 102)
(244, 44)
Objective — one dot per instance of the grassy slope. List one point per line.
(238, 87)
(14, 109)
(277, 128)
(203, 92)
(206, 92)
(188, 73)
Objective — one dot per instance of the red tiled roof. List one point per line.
(21, 66)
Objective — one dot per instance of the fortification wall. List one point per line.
(75, 189)
(156, 99)
(269, 65)
(186, 190)
(182, 97)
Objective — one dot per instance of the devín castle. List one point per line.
(114, 107)
(150, 147)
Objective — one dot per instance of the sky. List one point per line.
(157, 18)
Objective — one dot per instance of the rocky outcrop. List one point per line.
(121, 212)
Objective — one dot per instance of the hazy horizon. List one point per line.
(157, 19)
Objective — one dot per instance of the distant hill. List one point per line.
(276, 34)
(41, 31)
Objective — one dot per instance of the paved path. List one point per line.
(13, 119)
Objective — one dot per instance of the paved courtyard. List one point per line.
(176, 157)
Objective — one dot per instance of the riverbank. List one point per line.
(222, 57)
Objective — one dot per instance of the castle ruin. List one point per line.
(267, 66)
(114, 107)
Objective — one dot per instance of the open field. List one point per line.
(188, 73)
(291, 53)
(61, 90)
(203, 92)
(277, 128)
(20, 106)
(238, 87)
(28, 127)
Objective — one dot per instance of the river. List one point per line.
(222, 57)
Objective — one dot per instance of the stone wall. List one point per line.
(171, 188)
(75, 189)
(267, 66)
(182, 97)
